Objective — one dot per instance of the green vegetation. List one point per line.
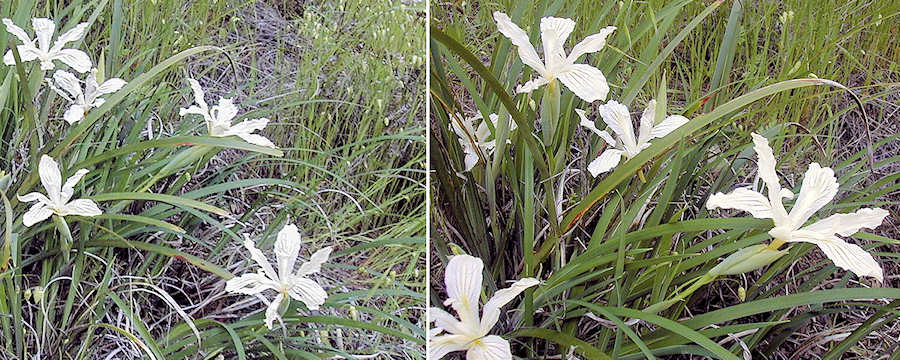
(608, 248)
(342, 84)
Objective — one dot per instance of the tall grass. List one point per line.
(340, 82)
(640, 235)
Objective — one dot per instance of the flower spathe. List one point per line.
(625, 143)
(58, 195)
(585, 81)
(43, 51)
(69, 87)
(473, 138)
(283, 279)
(218, 118)
(463, 278)
(818, 189)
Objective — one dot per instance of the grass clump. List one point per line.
(147, 277)
(633, 264)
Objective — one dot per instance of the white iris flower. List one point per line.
(618, 119)
(285, 281)
(585, 81)
(818, 189)
(463, 280)
(473, 139)
(218, 118)
(58, 195)
(43, 52)
(69, 87)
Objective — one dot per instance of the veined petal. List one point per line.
(439, 346)
(249, 126)
(669, 124)
(849, 224)
(819, 187)
(585, 81)
(78, 60)
(490, 347)
(618, 119)
(742, 199)
(608, 138)
(196, 110)
(315, 262)
(447, 322)
(110, 86)
(645, 127)
(37, 213)
(287, 249)
(51, 178)
(26, 53)
(463, 277)
(74, 34)
(18, 32)
(766, 164)
(591, 44)
(491, 311)
(845, 255)
(68, 82)
(531, 85)
(260, 259)
(519, 38)
(82, 207)
(483, 132)
(272, 310)
(471, 158)
(43, 32)
(605, 162)
(34, 196)
(308, 292)
(69, 187)
(586, 122)
(554, 32)
(250, 284)
(256, 139)
(464, 126)
(198, 93)
(225, 111)
(74, 113)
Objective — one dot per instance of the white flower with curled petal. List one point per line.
(470, 333)
(284, 280)
(69, 87)
(618, 119)
(58, 195)
(43, 51)
(585, 81)
(818, 189)
(471, 137)
(218, 118)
